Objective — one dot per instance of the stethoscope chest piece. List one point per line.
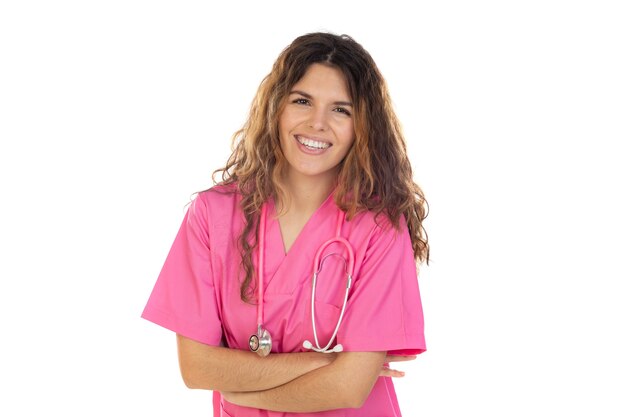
(261, 342)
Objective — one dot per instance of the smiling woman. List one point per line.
(319, 172)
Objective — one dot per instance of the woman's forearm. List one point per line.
(224, 369)
(346, 383)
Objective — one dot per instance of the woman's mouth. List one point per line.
(312, 145)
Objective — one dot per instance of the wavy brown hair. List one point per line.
(375, 175)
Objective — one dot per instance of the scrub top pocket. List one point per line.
(326, 316)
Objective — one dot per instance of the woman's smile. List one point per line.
(312, 145)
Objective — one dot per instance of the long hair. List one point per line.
(375, 175)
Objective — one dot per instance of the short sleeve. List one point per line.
(183, 298)
(384, 310)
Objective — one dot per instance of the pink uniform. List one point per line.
(197, 293)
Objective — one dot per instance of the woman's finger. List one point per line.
(400, 358)
(393, 373)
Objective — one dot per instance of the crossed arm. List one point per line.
(291, 382)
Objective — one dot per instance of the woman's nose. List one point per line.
(318, 119)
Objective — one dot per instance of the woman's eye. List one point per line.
(342, 110)
(301, 101)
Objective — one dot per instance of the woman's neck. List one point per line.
(306, 194)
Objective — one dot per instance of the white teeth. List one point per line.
(312, 143)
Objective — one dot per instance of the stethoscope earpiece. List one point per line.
(308, 345)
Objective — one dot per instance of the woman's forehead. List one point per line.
(323, 81)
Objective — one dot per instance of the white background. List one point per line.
(113, 113)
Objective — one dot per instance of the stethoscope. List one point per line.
(261, 342)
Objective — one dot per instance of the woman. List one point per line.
(321, 162)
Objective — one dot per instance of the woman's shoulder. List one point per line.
(218, 198)
(380, 220)
(372, 226)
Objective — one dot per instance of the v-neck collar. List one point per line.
(301, 248)
(274, 217)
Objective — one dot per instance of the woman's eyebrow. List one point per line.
(310, 97)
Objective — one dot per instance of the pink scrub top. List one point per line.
(197, 293)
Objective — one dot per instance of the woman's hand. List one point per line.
(386, 371)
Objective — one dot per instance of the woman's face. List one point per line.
(316, 127)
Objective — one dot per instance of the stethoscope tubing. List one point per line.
(262, 339)
(261, 266)
(349, 271)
